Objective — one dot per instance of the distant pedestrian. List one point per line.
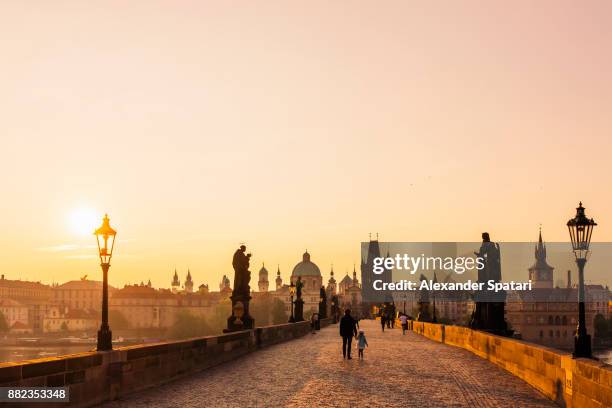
(361, 343)
(382, 322)
(348, 329)
(404, 320)
(314, 319)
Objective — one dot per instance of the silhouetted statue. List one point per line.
(241, 294)
(423, 304)
(488, 314)
(323, 303)
(242, 275)
(299, 303)
(298, 287)
(489, 252)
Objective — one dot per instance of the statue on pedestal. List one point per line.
(299, 303)
(489, 312)
(241, 294)
(322, 303)
(423, 304)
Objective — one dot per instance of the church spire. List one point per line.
(540, 250)
(175, 279)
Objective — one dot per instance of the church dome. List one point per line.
(263, 272)
(306, 268)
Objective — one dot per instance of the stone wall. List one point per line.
(95, 377)
(567, 381)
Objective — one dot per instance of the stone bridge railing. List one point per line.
(95, 377)
(569, 382)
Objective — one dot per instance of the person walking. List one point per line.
(382, 321)
(361, 343)
(314, 319)
(404, 321)
(348, 330)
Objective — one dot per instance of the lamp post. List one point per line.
(105, 236)
(292, 293)
(580, 229)
(434, 319)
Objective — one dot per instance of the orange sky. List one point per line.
(199, 125)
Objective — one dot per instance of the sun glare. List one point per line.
(83, 221)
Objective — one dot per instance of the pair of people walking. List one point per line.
(348, 330)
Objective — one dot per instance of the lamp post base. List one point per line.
(292, 319)
(105, 340)
(582, 346)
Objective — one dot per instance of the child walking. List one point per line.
(361, 343)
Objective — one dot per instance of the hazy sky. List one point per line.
(198, 125)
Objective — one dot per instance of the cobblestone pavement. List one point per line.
(398, 371)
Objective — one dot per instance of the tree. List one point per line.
(218, 320)
(117, 320)
(187, 325)
(4, 327)
(277, 312)
(261, 309)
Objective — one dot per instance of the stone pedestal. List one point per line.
(489, 317)
(240, 318)
(299, 310)
(323, 309)
(423, 314)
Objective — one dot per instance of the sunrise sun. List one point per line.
(83, 221)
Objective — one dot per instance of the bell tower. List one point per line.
(540, 273)
(263, 283)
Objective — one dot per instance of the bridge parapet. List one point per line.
(95, 377)
(569, 382)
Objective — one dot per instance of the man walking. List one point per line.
(348, 329)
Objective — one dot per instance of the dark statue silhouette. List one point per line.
(241, 294)
(299, 302)
(488, 314)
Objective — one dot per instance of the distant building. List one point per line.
(312, 281)
(279, 280)
(63, 319)
(548, 315)
(224, 287)
(349, 295)
(147, 308)
(144, 307)
(540, 273)
(175, 284)
(188, 282)
(36, 296)
(80, 294)
(263, 283)
(14, 312)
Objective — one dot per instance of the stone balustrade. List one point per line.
(95, 377)
(569, 382)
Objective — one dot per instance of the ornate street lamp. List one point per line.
(106, 242)
(580, 229)
(434, 319)
(292, 294)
